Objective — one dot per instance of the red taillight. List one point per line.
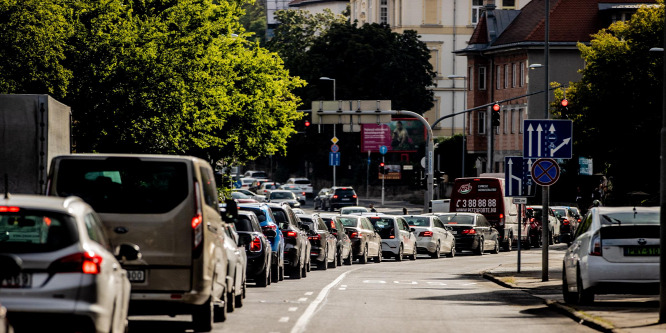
(196, 221)
(289, 233)
(255, 246)
(501, 216)
(317, 237)
(9, 209)
(354, 196)
(595, 245)
(335, 196)
(197, 228)
(303, 193)
(391, 237)
(356, 235)
(84, 262)
(469, 232)
(531, 219)
(425, 234)
(565, 222)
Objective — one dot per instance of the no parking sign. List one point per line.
(545, 171)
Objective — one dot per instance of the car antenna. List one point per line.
(6, 186)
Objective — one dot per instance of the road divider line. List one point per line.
(284, 319)
(303, 299)
(308, 293)
(293, 309)
(302, 322)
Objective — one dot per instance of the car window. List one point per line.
(385, 226)
(302, 181)
(243, 223)
(95, 230)
(261, 214)
(281, 218)
(405, 226)
(32, 231)
(584, 226)
(418, 221)
(322, 225)
(630, 218)
(438, 223)
(483, 221)
(457, 219)
(348, 222)
(344, 191)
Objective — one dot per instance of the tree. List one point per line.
(616, 106)
(254, 20)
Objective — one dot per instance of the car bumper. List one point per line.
(391, 246)
(256, 263)
(466, 243)
(620, 277)
(426, 246)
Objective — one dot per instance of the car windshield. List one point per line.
(348, 210)
(261, 214)
(302, 181)
(418, 221)
(560, 211)
(457, 219)
(348, 221)
(344, 192)
(31, 231)
(309, 223)
(259, 174)
(385, 226)
(282, 195)
(239, 195)
(630, 218)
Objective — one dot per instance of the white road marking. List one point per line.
(292, 309)
(305, 317)
(405, 282)
(303, 299)
(283, 319)
(374, 281)
(436, 283)
(309, 293)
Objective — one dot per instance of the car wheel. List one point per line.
(378, 258)
(273, 275)
(296, 272)
(350, 259)
(338, 258)
(305, 269)
(551, 238)
(323, 265)
(413, 256)
(264, 278)
(239, 297)
(496, 249)
(479, 249)
(281, 272)
(585, 296)
(398, 256)
(219, 312)
(435, 254)
(364, 257)
(334, 263)
(569, 297)
(453, 251)
(231, 301)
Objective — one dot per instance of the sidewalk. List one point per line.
(609, 313)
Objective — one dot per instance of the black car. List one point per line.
(320, 199)
(343, 242)
(257, 247)
(341, 197)
(472, 231)
(322, 242)
(366, 242)
(296, 242)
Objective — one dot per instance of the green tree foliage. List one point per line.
(616, 106)
(254, 20)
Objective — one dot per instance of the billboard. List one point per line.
(400, 135)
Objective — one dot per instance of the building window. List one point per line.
(482, 78)
(508, 4)
(506, 121)
(470, 78)
(513, 121)
(521, 118)
(498, 80)
(513, 75)
(383, 11)
(506, 76)
(477, 6)
(434, 60)
(482, 122)
(522, 74)
(431, 12)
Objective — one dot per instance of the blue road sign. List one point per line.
(517, 177)
(334, 159)
(545, 171)
(335, 148)
(544, 138)
(383, 150)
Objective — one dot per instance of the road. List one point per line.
(444, 295)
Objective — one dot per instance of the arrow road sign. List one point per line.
(547, 138)
(545, 171)
(517, 177)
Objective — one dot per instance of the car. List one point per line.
(144, 200)
(323, 245)
(236, 268)
(256, 174)
(321, 198)
(246, 182)
(366, 242)
(267, 222)
(353, 210)
(297, 245)
(298, 211)
(341, 196)
(568, 223)
(298, 191)
(615, 251)
(343, 242)
(398, 239)
(472, 231)
(241, 197)
(58, 267)
(267, 187)
(304, 184)
(257, 247)
(534, 215)
(286, 196)
(432, 236)
(253, 195)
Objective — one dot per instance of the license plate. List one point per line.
(23, 280)
(641, 251)
(453, 232)
(345, 199)
(136, 275)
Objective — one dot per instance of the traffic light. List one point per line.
(495, 119)
(564, 103)
(307, 122)
(382, 168)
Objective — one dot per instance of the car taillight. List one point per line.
(197, 228)
(269, 227)
(595, 245)
(356, 235)
(335, 196)
(469, 232)
(425, 234)
(255, 246)
(354, 196)
(565, 222)
(303, 193)
(9, 209)
(318, 237)
(84, 262)
(289, 233)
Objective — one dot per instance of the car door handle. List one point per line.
(211, 227)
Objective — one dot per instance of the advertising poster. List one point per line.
(393, 172)
(400, 135)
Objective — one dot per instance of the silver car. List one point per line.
(59, 270)
(615, 251)
(432, 236)
(398, 239)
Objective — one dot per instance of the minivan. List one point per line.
(168, 207)
(485, 195)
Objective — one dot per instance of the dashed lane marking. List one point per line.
(283, 319)
(293, 309)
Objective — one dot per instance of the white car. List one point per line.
(305, 185)
(353, 210)
(255, 196)
(432, 236)
(398, 239)
(63, 273)
(298, 191)
(246, 182)
(615, 251)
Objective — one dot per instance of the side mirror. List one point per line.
(412, 230)
(270, 233)
(128, 252)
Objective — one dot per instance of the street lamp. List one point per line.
(464, 143)
(535, 66)
(324, 78)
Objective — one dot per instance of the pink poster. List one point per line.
(374, 136)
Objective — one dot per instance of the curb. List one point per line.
(573, 313)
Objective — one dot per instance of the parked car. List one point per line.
(366, 242)
(298, 211)
(321, 198)
(257, 247)
(268, 223)
(242, 198)
(615, 251)
(304, 184)
(568, 223)
(236, 268)
(343, 242)
(534, 214)
(473, 232)
(398, 239)
(432, 236)
(246, 182)
(267, 187)
(353, 210)
(58, 247)
(256, 174)
(341, 197)
(253, 195)
(298, 191)
(280, 196)
(322, 242)
(296, 242)
(144, 200)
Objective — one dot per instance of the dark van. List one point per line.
(485, 195)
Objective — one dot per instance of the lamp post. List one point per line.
(464, 143)
(325, 78)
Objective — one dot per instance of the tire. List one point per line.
(496, 249)
(274, 275)
(219, 312)
(435, 254)
(585, 296)
(569, 297)
(203, 315)
(350, 259)
(479, 249)
(338, 258)
(305, 269)
(334, 263)
(398, 257)
(296, 272)
(281, 272)
(262, 279)
(508, 244)
(551, 239)
(323, 265)
(231, 302)
(413, 256)
(363, 259)
(378, 258)
(453, 251)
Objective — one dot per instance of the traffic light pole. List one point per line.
(383, 177)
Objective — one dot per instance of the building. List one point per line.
(503, 46)
(318, 6)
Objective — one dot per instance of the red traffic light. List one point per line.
(564, 102)
(307, 123)
(381, 164)
(496, 107)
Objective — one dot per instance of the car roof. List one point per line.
(67, 205)
(626, 209)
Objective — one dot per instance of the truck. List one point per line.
(33, 129)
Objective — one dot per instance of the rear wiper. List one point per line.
(612, 220)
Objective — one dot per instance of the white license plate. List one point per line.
(345, 199)
(23, 280)
(453, 232)
(136, 275)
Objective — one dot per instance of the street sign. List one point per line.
(383, 150)
(335, 148)
(520, 201)
(335, 140)
(333, 159)
(545, 171)
(547, 138)
(327, 112)
(517, 177)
